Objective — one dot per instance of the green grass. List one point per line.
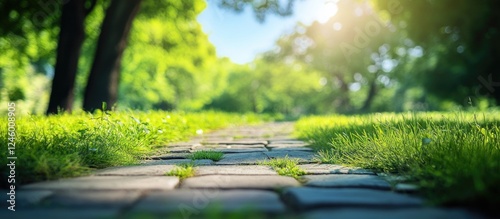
(71, 145)
(182, 171)
(285, 167)
(453, 157)
(211, 155)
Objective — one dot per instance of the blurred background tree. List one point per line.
(371, 56)
(267, 86)
(354, 52)
(103, 80)
(460, 40)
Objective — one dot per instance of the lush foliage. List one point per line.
(168, 64)
(387, 57)
(372, 56)
(175, 70)
(268, 87)
(69, 145)
(459, 38)
(454, 157)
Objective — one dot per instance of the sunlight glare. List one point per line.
(328, 10)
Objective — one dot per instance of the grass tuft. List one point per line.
(211, 155)
(183, 171)
(285, 166)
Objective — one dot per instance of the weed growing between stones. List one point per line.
(183, 171)
(211, 155)
(285, 166)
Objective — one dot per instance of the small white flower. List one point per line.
(199, 132)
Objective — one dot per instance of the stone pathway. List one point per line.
(236, 184)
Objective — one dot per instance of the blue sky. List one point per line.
(241, 37)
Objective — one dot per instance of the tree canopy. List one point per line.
(461, 44)
(372, 55)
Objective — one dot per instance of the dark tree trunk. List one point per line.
(372, 91)
(102, 84)
(69, 44)
(342, 102)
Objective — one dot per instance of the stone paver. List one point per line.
(279, 137)
(178, 149)
(346, 181)
(348, 170)
(406, 213)
(178, 161)
(141, 170)
(232, 148)
(225, 146)
(406, 188)
(108, 183)
(235, 170)
(291, 149)
(241, 150)
(313, 169)
(195, 200)
(308, 198)
(238, 182)
(301, 156)
(168, 156)
(92, 199)
(26, 197)
(290, 141)
(242, 158)
(61, 213)
(240, 142)
(280, 145)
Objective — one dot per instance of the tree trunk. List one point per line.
(371, 95)
(102, 84)
(342, 102)
(69, 44)
(71, 36)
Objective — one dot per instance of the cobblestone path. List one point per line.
(238, 185)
